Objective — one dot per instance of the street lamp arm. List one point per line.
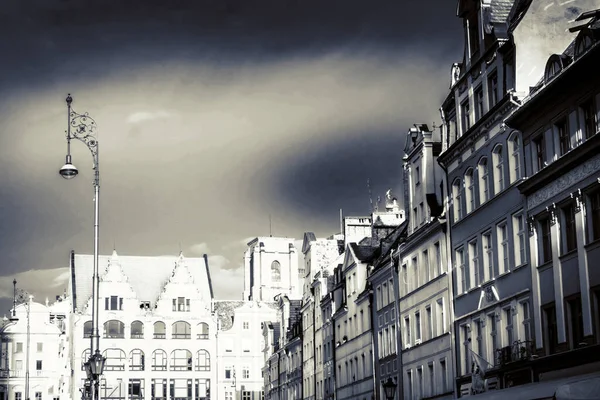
(84, 129)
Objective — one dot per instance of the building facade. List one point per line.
(423, 280)
(32, 353)
(271, 268)
(157, 329)
(559, 122)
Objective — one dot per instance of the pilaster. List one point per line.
(557, 273)
(584, 279)
(535, 283)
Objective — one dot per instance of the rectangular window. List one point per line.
(462, 273)
(404, 279)
(426, 267)
(440, 313)
(432, 382)
(38, 395)
(466, 351)
(564, 140)
(479, 329)
(415, 273)
(18, 396)
(510, 337)
(246, 325)
(519, 231)
(488, 260)
(465, 117)
(546, 243)
(246, 373)
(417, 175)
(575, 326)
(443, 374)
(429, 322)
(246, 395)
(526, 321)
(494, 345)
(474, 264)
(40, 347)
(479, 111)
(493, 88)
(503, 246)
(19, 348)
(595, 215)
(539, 148)
(570, 233)
(551, 329)
(418, 326)
(407, 337)
(409, 384)
(589, 118)
(420, 386)
(38, 365)
(438, 258)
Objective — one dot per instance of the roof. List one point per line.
(146, 275)
(500, 10)
(363, 252)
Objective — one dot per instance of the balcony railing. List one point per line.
(518, 351)
(160, 336)
(181, 336)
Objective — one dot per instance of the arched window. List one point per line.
(202, 361)
(275, 271)
(553, 67)
(471, 189)
(514, 148)
(114, 329)
(85, 356)
(203, 330)
(181, 360)
(137, 330)
(115, 360)
(136, 360)
(484, 184)
(457, 200)
(87, 329)
(160, 330)
(181, 330)
(159, 360)
(498, 160)
(583, 42)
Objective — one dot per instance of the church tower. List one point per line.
(271, 268)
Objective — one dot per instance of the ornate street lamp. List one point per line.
(84, 130)
(389, 388)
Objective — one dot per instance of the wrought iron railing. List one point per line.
(518, 351)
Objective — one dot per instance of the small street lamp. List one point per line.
(389, 388)
(84, 130)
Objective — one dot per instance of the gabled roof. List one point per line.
(146, 275)
(308, 238)
(364, 253)
(389, 242)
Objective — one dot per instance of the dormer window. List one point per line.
(181, 304)
(553, 67)
(114, 303)
(583, 42)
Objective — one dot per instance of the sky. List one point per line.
(212, 115)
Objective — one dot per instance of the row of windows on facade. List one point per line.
(160, 389)
(563, 135)
(565, 216)
(495, 246)
(353, 325)
(115, 329)
(115, 303)
(420, 386)
(355, 369)
(418, 330)
(503, 334)
(480, 183)
(179, 360)
(419, 273)
(573, 321)
(468, 118)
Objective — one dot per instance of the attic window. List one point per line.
(582, 44)
(553, 68)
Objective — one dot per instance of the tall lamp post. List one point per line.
(83, 128)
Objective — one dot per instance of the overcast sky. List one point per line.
(212, 114)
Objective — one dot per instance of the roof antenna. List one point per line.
(341, 222)
(14, 298)
(370, 195)
(270, 227)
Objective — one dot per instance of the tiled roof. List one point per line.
(363, 252)
(146, 275)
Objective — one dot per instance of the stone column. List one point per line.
(584, 280)
(557, 274)
(536, 318)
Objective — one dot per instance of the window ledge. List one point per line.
(520, 266)
(568, 256)
(592, 245)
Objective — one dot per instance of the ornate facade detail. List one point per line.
(552, 213)
(576, 195)
(531, 225)
(569, 178)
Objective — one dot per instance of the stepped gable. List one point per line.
(146, 275)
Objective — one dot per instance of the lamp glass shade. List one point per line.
(390, 389)
(97, 364)
(68, 171)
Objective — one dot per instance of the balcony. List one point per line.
(518, 351)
